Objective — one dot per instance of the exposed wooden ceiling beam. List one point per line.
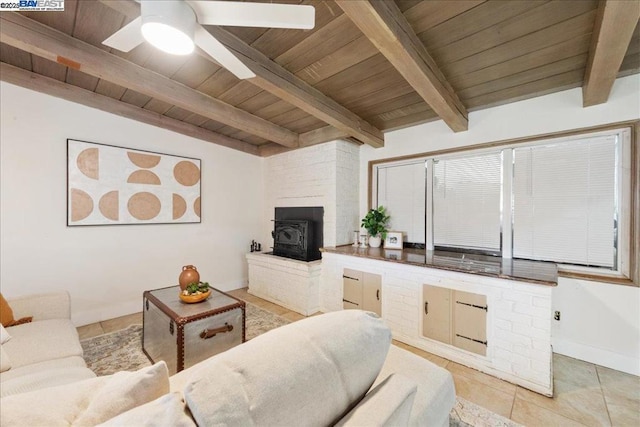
(53, 87)
(318, 136)
(615, 23)
(307, 139)
(268, 150)
(28, 35)
(387, 28)
(275, 79)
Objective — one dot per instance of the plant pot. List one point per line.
(375, 242)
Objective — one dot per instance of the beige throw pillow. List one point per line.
(88, 402)
(166, 411)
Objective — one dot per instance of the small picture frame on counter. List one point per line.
(393, 240)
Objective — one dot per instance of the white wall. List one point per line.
(600, 322)
(106, 268)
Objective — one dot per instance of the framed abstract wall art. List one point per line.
(108, 185)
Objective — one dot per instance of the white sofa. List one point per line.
(337, 368)
(45, 352)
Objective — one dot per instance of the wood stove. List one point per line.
(297, 233)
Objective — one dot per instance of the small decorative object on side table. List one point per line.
(185, 334)
(195, 292)
(188, 275)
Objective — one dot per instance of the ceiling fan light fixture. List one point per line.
(169, 26)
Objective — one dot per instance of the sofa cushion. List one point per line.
(43, 340)
(66, 362)
(43, 379)
(314, 370)
(87, 402)
(5, 362)
(388, 404)
(436, 393)
(166, 411)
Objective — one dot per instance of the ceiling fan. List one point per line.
(176, 26)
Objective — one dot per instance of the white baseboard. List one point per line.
(82, 318)
(106, 313)
(231, 285)
(598, 356)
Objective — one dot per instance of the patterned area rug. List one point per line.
(122, 351)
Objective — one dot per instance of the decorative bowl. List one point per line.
(190, 299)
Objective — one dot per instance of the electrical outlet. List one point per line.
(556, 315)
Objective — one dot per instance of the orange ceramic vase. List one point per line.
(189, 275)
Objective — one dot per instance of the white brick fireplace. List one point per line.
(324, 175)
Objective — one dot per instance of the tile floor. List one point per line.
(585, 394)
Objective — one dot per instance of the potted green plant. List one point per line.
(375, 222)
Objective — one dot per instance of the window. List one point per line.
(564, 202)
(401, 190)
(565, 199)
(466, 202)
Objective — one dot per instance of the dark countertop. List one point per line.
(541, 273)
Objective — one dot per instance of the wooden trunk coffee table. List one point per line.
(184, 334)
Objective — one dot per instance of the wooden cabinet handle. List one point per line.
(426, 307)
(378, 294)
(210, 333)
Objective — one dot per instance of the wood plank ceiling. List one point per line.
(367, 66)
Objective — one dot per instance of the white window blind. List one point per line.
(466, 202)
(564, 202)
(401, 190)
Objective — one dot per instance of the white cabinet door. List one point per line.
(436, 313)
(372, 293)
(352, 289)
(470, 322)
(362, 291)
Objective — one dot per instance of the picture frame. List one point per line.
(112, 185)
(393, 240)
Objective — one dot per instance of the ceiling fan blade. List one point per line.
(127, 37)
(221, 54)
(245, 14)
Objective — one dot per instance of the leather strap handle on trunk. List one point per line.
(210, 333)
